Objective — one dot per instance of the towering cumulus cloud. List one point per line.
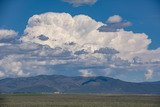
(80, 33)
(58, 43)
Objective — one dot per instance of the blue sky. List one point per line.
(130, 56)
(144, 14)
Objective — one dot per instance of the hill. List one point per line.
(64, 84)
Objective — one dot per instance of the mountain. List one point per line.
(64, 84)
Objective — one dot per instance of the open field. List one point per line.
(78, 100)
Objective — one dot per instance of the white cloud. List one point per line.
(2, 74)
(61, 29)
(77, 3)
(81, 30)
(149, 74)
(114, 19)
(4, 44)
(150, 55)
(11, 67)
(64, 44)
(7, 34)
(86, 73)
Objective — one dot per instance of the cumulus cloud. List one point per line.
(86, 73)
(77, 3)
(6, 34)
(114, 19)
(61, 32)
(11, 66)
(150, 56)
(149, 74)
(82, 31)
(33, 59)
(58, 43)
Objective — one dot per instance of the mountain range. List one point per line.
(77, 84)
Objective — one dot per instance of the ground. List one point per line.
(78, 100)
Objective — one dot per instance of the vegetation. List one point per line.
(78, 100)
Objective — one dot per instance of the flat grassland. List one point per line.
(78, 100)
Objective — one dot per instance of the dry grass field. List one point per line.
(78, 100)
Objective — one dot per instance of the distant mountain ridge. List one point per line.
(78, 84)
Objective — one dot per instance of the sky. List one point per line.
(115, 38)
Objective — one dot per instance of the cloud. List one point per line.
(6, 35)
(4, 44)
(86, 73)
(61, 32)
(114, 27)
(151, 56)
(149, 74)
(80, 52)
(82, 31)
(58, 43)
(114, 19)
(34, 59)
(2, 74)
(27, 59)
(11, 66)
(106, 51)
(77, 3)
(114, 23)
